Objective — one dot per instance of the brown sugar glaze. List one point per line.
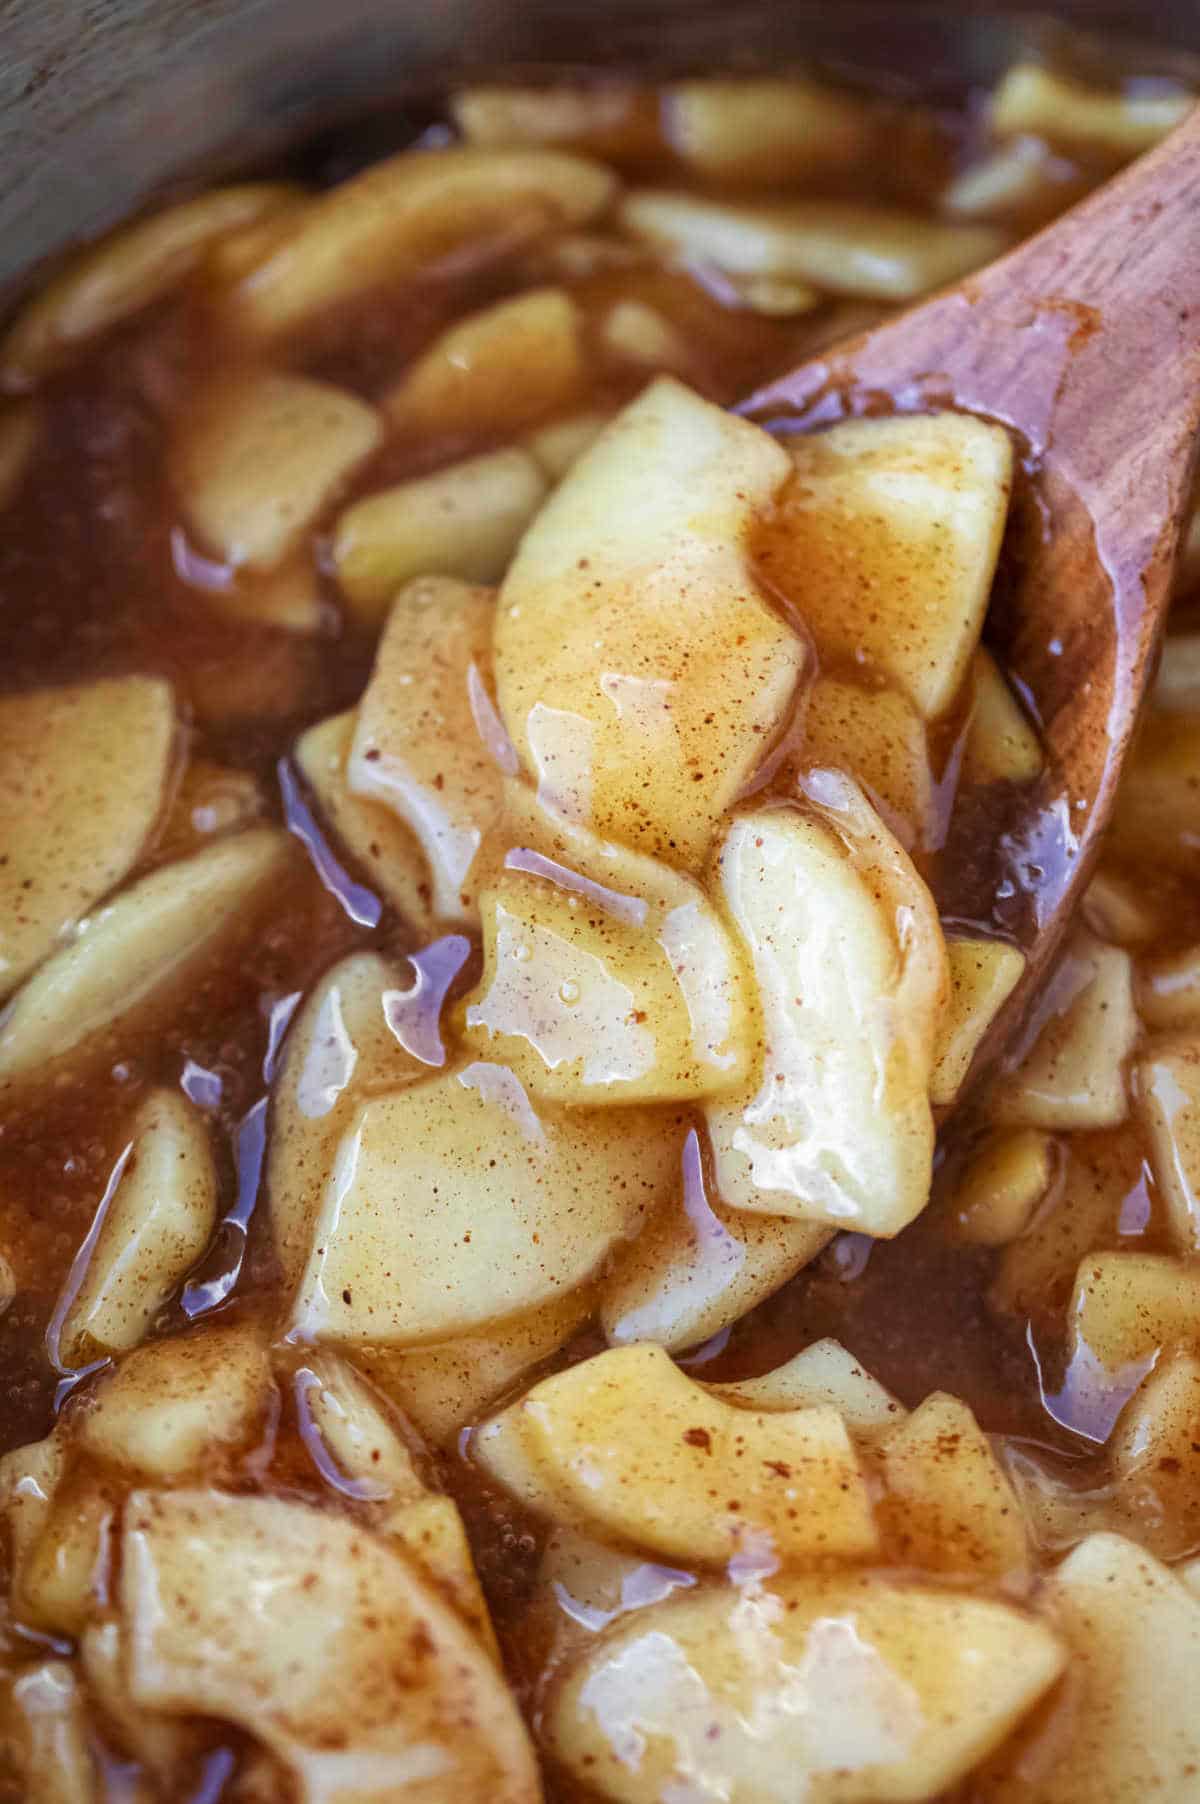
(97, 578)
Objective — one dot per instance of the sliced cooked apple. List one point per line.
(851, 966)
(886, 542)
(453, 1204)
(84, 774)
(1168, 989)
(1128, 1306)
(157, 1223)
(1156, 817)
(1021, 184)
(125, 272)
(360, 1439)
(1155, 1455)
(1117, 908)
(465, 521)
(877, 737)
(821, 1374)
(427, 743)
(52, 1747)
(322, 1641)
(179, 1406)
(769, 130)
(1003, 1184)
(983, 975)
(1081, 1212)
(639, 672)
(949, 1507)
(1167, 1089)
(631, 1449)
(1001, 743)
(261, 455)
(495, 371)
(829, 1689)
(410, 213)
(1133, 1634)
(339, 1051)
(611, 119)
(636, 333)
(697, 1267)
(1117, 124)
(130, 953)
(376, 837)
(1072, 1074)
(846, 246)
(557, 446)
(446, 1387)
(374, 1462)
(595, 996)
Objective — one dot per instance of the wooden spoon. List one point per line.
(1085, 342)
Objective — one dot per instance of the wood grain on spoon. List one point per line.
(1085, 342)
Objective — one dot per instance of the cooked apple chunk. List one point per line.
(851, 966)
(84, 774)
(1128, 1306)
(824, 1373)
(157, 1223)
(444, 1387)
(629, 1448)
(697, 1266)
(877, 737)
(1168, 989)
(1080, 1034)
(640, 673)
(1155, 1457)
(1001, 1187)
(767, 130)
(495, 371)
(453, 1204)
(983, 975)
(129, 270)
(1116, 124)
(846, 246)
(46, 1735)
(1133, 1633)
(427, 744)
(465, 520)
(949, 1507)
(596, 996)
(832, 1689)
(1167, 1089)
(388, 851)
(131, 952)
(886, 543)
(410, 213)
(260, 457)
(323, 1642)
(339, 1051)
(1155, 818)
(1001, 743)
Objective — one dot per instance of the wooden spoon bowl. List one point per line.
(1085, 342)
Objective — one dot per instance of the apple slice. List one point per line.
(452, 1204)
(886, 540)
(427, 742)
(628, 1447)
(641, 675)
(322, 1641)
(851, 966)
(84, 776)
(830, 1689)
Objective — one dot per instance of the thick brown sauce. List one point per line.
(91, 584)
